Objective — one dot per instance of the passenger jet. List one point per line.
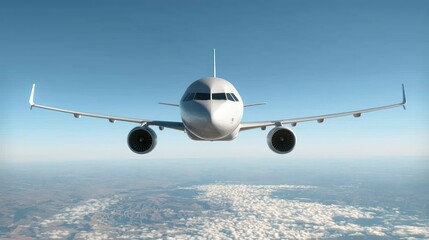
(211, 109)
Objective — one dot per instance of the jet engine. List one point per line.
(281, 140)
(141, 140)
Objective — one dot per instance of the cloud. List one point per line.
(253, 212)
(404, 231)
(241, 211)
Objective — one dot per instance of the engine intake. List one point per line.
(281, 140)
(141, 140)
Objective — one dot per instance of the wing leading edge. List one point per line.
(112, 119)
(320, 118)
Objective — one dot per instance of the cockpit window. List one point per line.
(188, 97)
(202, 96)
(229, 96)
(218, 96)
(206, 96)
(185, 97)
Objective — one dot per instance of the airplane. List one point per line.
(211, 109)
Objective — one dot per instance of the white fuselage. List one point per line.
(211, 109)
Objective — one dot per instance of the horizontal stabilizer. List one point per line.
(254, 104)
(169, 104)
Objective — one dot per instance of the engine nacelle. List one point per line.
(141, 140)
(281, 140)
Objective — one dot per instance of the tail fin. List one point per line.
(214, 62)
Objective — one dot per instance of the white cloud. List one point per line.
(246, 212)
(404, 230)
(256, 214)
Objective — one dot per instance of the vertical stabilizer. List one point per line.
(214, 62)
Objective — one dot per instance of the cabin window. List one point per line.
(218, 96)
(202, 96)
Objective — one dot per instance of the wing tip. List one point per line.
(404, 97)
(31, 100)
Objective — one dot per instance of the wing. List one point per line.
(112, 119)
(320, 118)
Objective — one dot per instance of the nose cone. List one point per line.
(218, 125)
(208, 121)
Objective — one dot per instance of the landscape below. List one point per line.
(226, 198)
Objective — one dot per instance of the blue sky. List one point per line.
(302, 57)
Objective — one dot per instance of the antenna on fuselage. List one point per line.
(214, 62)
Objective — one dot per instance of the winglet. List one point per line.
(404, 98)
(31, 100)
(214, 62)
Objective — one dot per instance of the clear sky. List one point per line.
(302, 57)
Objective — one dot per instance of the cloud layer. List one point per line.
(245, 212)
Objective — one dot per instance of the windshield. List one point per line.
(218, 96)
(214, 96)
(202, 96)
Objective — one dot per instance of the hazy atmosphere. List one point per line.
(360, 178)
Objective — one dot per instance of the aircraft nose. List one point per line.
(216, 122)
(211, 125)
(202, 114)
